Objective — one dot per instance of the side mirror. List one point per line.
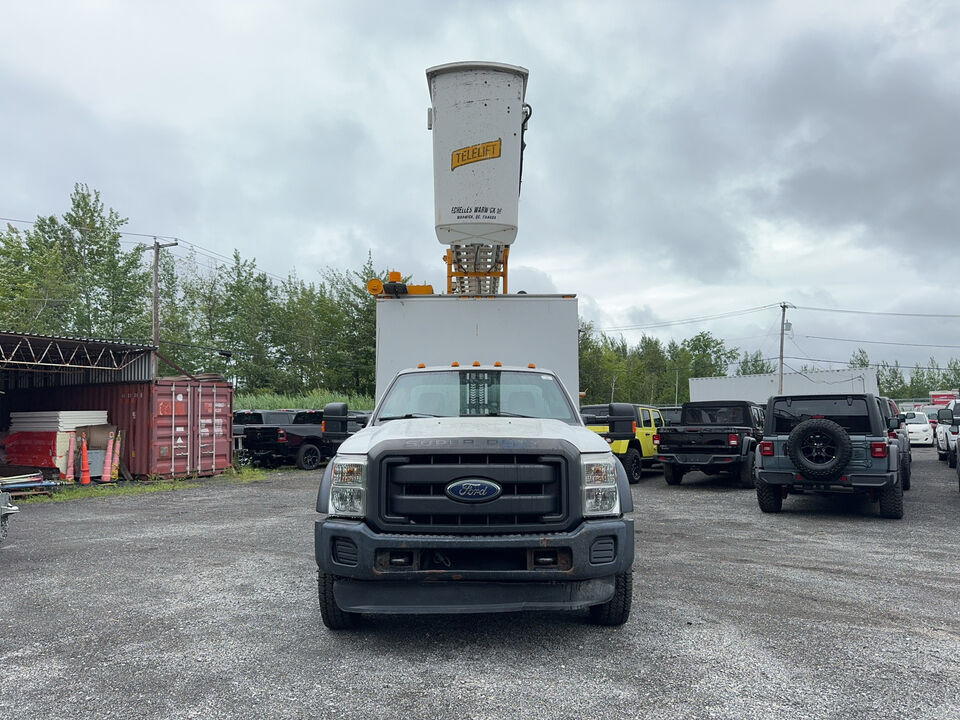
(893, 423)
(622, 418)
(658, 422)
(335, 418)
(902, 417)
(945, 415)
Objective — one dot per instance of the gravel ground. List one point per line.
(202, 603)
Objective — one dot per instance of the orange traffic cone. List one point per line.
(84, 462)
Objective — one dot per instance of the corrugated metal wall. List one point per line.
(171, 427)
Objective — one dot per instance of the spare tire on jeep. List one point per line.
(819, 448)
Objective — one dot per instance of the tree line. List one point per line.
(79, 276)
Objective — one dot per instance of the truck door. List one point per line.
(646, 429)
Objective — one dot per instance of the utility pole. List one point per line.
(783, 323)
(156, 295)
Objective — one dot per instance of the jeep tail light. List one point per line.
(892, 434)
(656, 439)
(281, 435)
(733, 440)
(323, 426)
(878, 449)
(766, 448)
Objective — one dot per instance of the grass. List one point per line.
(67, 493)
(311, 401)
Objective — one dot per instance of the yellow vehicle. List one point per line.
(629, 428)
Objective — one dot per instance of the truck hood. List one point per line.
(473, 427)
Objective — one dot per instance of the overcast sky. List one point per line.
(684, 159)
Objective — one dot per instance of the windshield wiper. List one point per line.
(408, 416)
(509, 414)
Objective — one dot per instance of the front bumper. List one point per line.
(401, 573)
(844, 482)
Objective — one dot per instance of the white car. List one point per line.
(919, 428)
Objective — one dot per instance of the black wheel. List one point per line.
(746, 471)
(819, 448)
(891, 501)
(4, 526)
(769, 497)
(941, 454)
(905, 472)
(952, 458)
(633, 464)
(672, 474)
(309, 457)
(333, 617)
(617, 609)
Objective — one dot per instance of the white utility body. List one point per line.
(511, 329)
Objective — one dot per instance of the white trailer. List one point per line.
(510, 329)
(759, 387)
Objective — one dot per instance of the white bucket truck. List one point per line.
(475, 487)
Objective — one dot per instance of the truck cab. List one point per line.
(474, 489)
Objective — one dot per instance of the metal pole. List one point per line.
(156, 295)
(783, 321)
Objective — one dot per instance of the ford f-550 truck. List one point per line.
(474, 489)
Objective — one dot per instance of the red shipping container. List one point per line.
(170, 427)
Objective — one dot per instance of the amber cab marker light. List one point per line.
(454, 364)
(420, 366)
(531, 365)
(476, 363)
(498, 364)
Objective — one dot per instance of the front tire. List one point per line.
(891, 501)
(633, 464)
(333, 617)
(672, 474)
(617, 609)
(952, 458)
(769, 497)
(905, 474)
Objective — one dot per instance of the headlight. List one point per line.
(347, 487)
(600, 494)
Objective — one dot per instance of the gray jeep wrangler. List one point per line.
(828, 444)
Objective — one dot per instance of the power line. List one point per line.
(686, 321)
(869, 312)
(118, 232)
(881, 342)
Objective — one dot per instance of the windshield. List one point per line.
(476, 393)
(713, 415)
(851, 415)
(916, 418)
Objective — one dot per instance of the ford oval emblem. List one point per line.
(473, 490)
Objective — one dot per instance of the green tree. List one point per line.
(755, 364)
(891, 380)
(859, 359)
(709, 356)
(70, 276)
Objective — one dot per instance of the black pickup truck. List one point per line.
(712, 436)
(303, 437)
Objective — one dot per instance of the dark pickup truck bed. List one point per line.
(712, 436)
(306, 437)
